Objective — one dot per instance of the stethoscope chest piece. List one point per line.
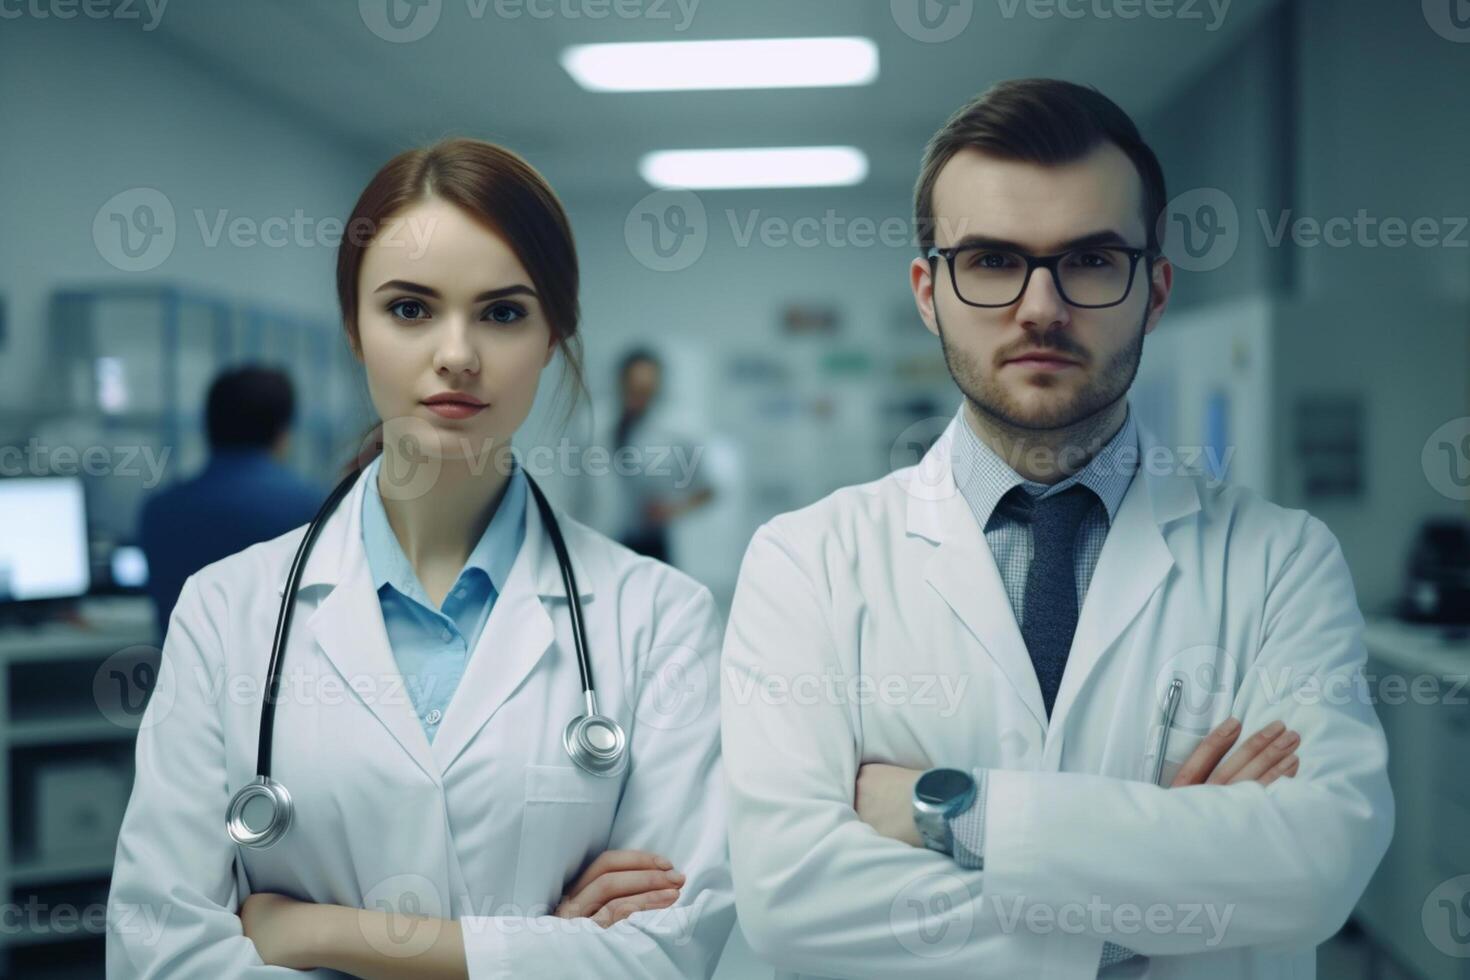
(597, 744)
(259, 813)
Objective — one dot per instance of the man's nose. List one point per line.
(1042, 305)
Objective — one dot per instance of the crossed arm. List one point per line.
(174, 906)
(820, 891)
(379, 945)
(884, 794)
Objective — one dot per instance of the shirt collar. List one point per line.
(493, 554)
(983, 477)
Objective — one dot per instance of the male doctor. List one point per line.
(975, 713)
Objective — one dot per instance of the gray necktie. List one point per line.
(1049, 612)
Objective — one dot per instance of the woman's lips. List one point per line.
(454, 410)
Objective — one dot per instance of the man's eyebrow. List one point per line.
(1092, 239)
(403, 285)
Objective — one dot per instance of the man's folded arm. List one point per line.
(817, 889)
(1275, 865)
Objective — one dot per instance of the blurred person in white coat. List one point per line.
(977, 713)
(659, 477)
(439, 827)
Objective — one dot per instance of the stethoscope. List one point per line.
(260, 812)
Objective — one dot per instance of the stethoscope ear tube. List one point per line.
(595, 742)
(283, 624)
(260, 812)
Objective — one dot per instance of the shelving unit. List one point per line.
(56, 900)
(135, 362)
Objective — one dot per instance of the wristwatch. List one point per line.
(938, 795)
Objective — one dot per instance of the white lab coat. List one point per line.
(485, 825)
(1249, 603)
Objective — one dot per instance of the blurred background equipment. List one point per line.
(43, 539)
(179, 175)
(1437, 587)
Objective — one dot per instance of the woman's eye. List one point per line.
(505, 313)
(407, 309)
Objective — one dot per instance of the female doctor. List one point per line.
(420, 801)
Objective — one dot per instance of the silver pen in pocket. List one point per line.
(1171, 705)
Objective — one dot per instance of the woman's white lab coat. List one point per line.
(487, 824)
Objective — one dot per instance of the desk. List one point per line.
(1420, 681)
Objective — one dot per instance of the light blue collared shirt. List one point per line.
(432, 646)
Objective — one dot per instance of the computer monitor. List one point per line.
(43, 539)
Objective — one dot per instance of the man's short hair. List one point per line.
(1038, 120)
(249, 407)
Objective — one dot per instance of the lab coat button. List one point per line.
(433, 716)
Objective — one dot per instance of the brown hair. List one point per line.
(503, 190)
(1038, 120)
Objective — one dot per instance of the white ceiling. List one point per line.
(498, 77)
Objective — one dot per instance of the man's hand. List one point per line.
(885, 793)
(618, 883)
(1265, 757)
(885, 796)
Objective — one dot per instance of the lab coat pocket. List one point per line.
(565, 821)
(1178, 747)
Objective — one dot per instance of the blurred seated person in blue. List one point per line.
(244, 494)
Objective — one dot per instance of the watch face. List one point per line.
(938, 786)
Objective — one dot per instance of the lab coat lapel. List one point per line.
(963, 571)
(516, 636)
(348, 627)
(1133, 564)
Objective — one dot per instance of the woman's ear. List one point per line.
(550, 352)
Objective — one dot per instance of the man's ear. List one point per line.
(1160, 285)
(921, 281)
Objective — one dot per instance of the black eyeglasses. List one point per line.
(1092, 277)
